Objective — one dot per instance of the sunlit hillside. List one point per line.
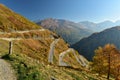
(10, 21)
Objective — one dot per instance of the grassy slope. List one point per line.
(11, 21)
(29, 58)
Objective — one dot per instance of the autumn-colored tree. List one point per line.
(107, 61)
(98, 65)
(115, 66)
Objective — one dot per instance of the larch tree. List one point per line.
(107, 61)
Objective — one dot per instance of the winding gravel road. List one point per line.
(51, 52)
(82, 61)
(6, 71)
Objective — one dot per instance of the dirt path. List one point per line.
(6, 71)
(11, 39)
(22, 31)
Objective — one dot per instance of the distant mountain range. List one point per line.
(86, 46)
(97, 27)
(70, 31)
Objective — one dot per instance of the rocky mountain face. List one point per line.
(87, 45)
(71, 32)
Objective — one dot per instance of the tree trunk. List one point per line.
(108, 75)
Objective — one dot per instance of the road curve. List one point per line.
(80, 59)
(51, 52)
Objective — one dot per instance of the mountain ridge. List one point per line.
(97, 27)
(68, 30)
(86, 46)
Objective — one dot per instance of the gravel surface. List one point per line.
(6, 71)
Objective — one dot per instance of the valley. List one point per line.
(57, 49)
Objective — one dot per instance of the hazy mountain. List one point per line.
(89, 25)
(104, 25)
(87, 46)
(97, 27)
(117, 22)
(68, 30)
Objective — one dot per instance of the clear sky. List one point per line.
(74, 10)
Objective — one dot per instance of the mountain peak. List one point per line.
(68, 30)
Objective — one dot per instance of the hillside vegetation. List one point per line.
(11, 21)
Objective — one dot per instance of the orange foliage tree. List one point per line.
(107, 61)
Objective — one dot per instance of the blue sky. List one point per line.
(74, 10)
